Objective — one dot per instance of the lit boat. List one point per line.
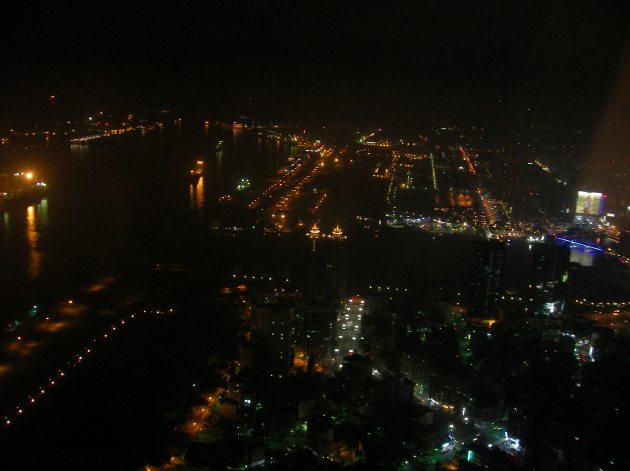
(337, 232)
(20, 186)
(198, 170)
(314, 232)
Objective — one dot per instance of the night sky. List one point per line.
(353, 62)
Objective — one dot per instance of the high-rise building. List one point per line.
(348, 329)
(549, 273)
(550, 263)
(273, 317)
(315, 332)
(326, 269)
(488, 272)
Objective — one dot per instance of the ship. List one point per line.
(198, 170)
(21, 186)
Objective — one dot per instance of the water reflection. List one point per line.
(200, 193)
(80, 149)
(42, 213)
(583, 257)
(34, 261)
(219, 165)
(6, 224)
(196, 194)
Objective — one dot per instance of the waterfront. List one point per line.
(144, 211)
(96, 245)
(87, 256)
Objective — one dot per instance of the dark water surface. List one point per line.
(118, 203)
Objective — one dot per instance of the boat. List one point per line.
(198, 170)
(219, 146)
(21, 186)
(337, 232)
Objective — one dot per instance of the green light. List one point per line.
(433, 173)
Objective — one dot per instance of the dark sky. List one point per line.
(360, 61)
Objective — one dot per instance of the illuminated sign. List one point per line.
(589, 203)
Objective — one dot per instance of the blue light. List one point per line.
(581, 244)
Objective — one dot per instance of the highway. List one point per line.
(486, 206)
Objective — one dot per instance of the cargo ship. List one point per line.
(21, 186)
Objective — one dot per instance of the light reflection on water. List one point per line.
(81, 149)
(199, 193)
(35, 223)
(196, 195)
(6, 219)
(34, 262)
(583, 257)
(42, 213)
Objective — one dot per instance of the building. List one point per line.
(314, 334)
(487, 277)
(326, 269)
(589, 205)
(273, 318)
(550, 267)
(550, 263)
